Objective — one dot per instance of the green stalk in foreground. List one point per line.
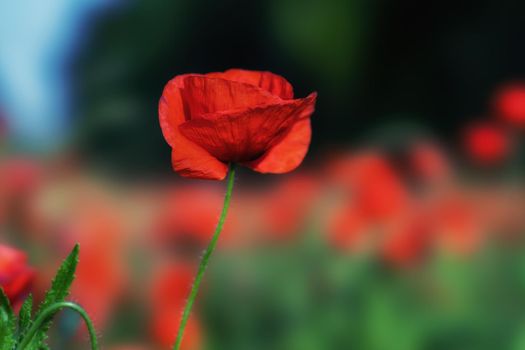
(205, 258)
(50, 312)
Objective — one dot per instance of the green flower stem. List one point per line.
(205, 258)
(50, 312)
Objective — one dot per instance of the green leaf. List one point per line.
(7, 323)
(24, 317)
(58, 292)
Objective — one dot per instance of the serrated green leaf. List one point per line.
(24, 317)
(7, 323)
(62, 281)
(58, 292)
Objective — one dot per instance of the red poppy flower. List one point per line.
(486, 143)
(170, 289)
(509, 103)
(241, 116)
(16, 277)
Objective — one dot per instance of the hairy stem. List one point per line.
(205, 259)
(50, 312)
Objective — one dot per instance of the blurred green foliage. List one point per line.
(306, 297)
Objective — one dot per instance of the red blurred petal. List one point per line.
(375, 183)
(285, 209)
(20, 284)
(273, 83)
(16, 276)
(429, 162)
(188, 217)
(510, 103)
(407, 241)
(170, 289)
(347, 228)
(458, 225)
(486, 143)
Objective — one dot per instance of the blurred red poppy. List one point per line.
(509, 103)
(407, 241)
(169, 291)
(20, 176)
(19, 181)
(501, 208)
(373, 182)
(457, 226)
(188, 216)
(96, 224)
(347, 228)
(242, 116)
(288, 206)
(486, 143)
(16, 277)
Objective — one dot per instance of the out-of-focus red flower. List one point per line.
(288, 206)
(169, 291)
(347, 228)
(374, 184)
(509, 103)
(188, 216)
(457, 225)
(96, 224)
(429, 162)
(406, 241)
(486, 143)
(19, 180)
(16, 277)
(501, 208)
(19, 176)
(241, 116)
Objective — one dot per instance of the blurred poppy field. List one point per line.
(403, 228)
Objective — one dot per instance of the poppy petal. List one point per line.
(245, 135)
(204, 95)
(188, 158)
(286, 155)
(191, 163)
(171, 108)
(273, 83)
